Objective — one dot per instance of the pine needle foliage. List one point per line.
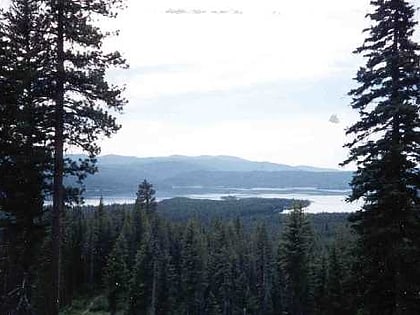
(386, 150)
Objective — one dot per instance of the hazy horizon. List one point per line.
(216, 156)
(261, 85)
(260, 80)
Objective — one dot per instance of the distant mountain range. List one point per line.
(174, 175)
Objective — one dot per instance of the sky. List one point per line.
(266, 80)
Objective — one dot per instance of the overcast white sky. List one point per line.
(261, 85)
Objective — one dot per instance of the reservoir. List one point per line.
(320, 200)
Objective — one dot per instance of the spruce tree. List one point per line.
(241, 264)
(294, 260)
(116, 276)
(73, 263)
(320, 288)
(220, 269)
(141, 284)
(23, 160)
(386, 150)
(263, 269)
(192, 270)
(103, 243)
(335, 284)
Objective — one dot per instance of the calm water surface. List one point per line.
(320, 201)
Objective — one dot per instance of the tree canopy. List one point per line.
(386, 150)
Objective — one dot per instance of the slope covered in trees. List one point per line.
(198, 257)
(165, 261)
(177, 175)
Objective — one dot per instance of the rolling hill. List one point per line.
(176, 175)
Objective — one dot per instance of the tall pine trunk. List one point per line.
(58, 193)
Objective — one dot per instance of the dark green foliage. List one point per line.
(22, 158)
(139, 297)
(386, 149)
(81, 97)
(102, 236)
(192, 270)
(263, 269)
(73, 270)
(116, 276)
(247, 209)
(335, 284)
(224, 267)
(213, 307)
(146, 197)
(221, 270)
(144, 207)
(321, 294)
(53, 93)
(345, 245)
(294, 261)
(88, 95)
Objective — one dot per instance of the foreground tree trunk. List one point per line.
(58, 193)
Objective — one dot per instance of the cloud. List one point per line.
(280, 99)
(257, 84)
(308, 40)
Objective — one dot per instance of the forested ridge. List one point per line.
(148, 257)
(184, 256)
(178, 175)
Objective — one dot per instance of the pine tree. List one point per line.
(81, 96)
(146, 197)
(263, 269)
(23, 160)
(103, 240)
(220, 269)
(128, 230)
(67, 68)
(386, 149)
(241, 264)
(73, 264)
(171, 293)
(167, 285)
(320, 288)
(335, 284)
(141, 285)
(152, 288)
(116, 276)
(294, 260)
(192, 270)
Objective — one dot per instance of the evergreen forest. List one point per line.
(183, 256)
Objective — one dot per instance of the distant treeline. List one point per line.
(174, 176)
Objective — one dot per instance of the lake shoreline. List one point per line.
(321, 200)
